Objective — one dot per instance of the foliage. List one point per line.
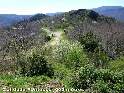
(21, 82)
(101, 80)
(99, 58)
(70, 53)
(34, 64)
(94, 50)
(66, 56)
(82, 78)
(90, 42)
(117, 64)
(61, 71)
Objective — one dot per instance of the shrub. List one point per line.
(117, 64)
(99, 58)
(82, 79)
(60, 71)
(14, 81)
(91, 44)
(101, 80)
(101, 86)
(70, 54)
(34, 64)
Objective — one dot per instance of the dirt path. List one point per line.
(57, 38)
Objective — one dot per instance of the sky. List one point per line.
(27, 7)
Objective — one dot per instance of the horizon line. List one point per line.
(55, 11)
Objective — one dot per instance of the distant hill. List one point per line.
(8, 19)
(33, 18)
(112, 11)
(53, 14)
(38, 17)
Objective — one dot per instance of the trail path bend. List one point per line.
(56, 36)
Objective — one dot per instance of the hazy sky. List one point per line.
(50, 6)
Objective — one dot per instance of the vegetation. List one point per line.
(92, 46)
(74, 50)
(70, 53)
(117, 65)
(100, 80)
(12, 81)
(34, 64)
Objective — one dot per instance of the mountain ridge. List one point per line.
(111, 11)
(9, 19)
(75, 23)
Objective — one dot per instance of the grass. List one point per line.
(36, 82)
(117, 65)
(12, 81)
(62, 73)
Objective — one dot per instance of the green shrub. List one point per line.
(15, 81)
(117, 64)
(90, 42)
(61, 71)
(70, 54)
(82, 79)
(101, 86)
(92, 46)
(34, 63)
(99, 58)
(101, 80)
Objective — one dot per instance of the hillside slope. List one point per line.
(26, 33)
(71, 51)
(75, 24)
(9, 19)
(78, 22)
(112, 11)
